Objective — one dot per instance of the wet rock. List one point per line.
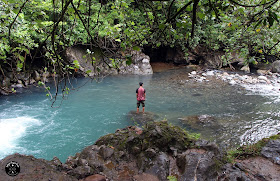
(272, 151)
(95, 177)
(198, 122)
(4, 92)
(141, 118)
(19, 86)
(262, 78)
(193, 73)
(232, 82)
(210, 73)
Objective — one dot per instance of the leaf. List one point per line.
(40, 83)
(270, 21)
(21, 58)
(161, 26)
(88, 71)
(129, 61)
(201, 15)
(118, 40)
(274, 15)
(137, 48)
(75, 62)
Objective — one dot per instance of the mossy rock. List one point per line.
(157, 135)
(141, 118)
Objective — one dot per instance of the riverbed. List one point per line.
(29, 125)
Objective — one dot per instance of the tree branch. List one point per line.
(10, 26)
(251, 6)
(194, 16)
(181, 10)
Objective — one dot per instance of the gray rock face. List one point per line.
(197, 164)
(140, 66)
(272, 151)
(232, 173)
(140, 62)
(275, 67)
(6, 82)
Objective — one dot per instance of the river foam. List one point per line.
(11, 130)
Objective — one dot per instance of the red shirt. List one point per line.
(140, 94)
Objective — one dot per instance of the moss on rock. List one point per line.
(158, 135)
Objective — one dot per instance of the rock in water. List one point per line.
(201, 121)
(141, 118)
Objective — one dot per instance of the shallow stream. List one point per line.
(28, 124)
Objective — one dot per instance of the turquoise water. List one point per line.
(28, 124)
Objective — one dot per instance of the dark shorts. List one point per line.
(142, 102)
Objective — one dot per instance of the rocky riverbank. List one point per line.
(157, 151)
(267, 83)
(138, 64)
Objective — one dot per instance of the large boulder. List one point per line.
(141, 118)
(272, 151)
(94, 63)
(140, 64)
(199, 122)
(275, 67)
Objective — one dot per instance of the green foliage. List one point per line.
(252, 150)
(172, 178)
(33, 28)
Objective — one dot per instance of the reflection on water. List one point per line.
(96, 109)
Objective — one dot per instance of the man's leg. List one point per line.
(143, 106)
(138, 105)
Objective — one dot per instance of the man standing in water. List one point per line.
(141, 96)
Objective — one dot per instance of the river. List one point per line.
(29, 125)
